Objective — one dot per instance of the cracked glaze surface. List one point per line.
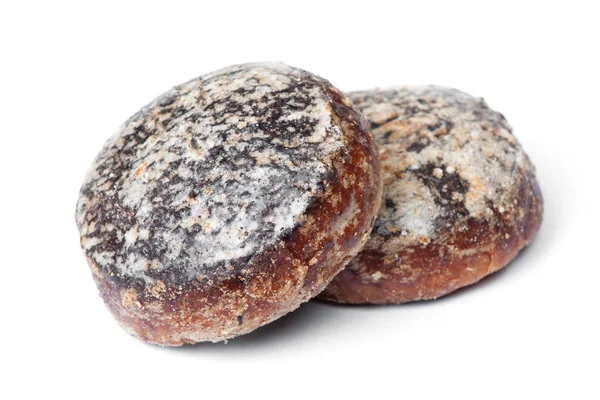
(456, 182)
(228, 201)
(446, 156)
(200, 174)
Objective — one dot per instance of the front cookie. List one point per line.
(227, 202)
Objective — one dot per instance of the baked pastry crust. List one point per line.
(227, 202)
(460, 197)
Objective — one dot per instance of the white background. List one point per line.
(72, 73)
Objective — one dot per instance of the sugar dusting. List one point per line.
(210, 172)
(446, 157)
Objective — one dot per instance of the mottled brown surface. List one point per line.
(439, 231)
(230, 299)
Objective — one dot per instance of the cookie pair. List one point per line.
(233, 198)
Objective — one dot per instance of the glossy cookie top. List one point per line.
(446, 157)
(208, 174)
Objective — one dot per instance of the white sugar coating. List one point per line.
(446, 157)
(415, 213)
(210, 172)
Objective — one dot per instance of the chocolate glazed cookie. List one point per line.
(460, 197)
(227, 202)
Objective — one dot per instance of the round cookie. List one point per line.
(227, 202)
(460, 197)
